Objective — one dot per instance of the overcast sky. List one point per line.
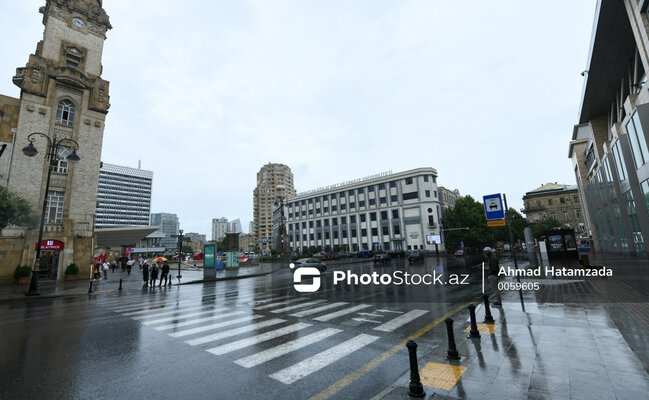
(205, 92)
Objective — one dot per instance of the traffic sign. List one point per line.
(496, 222)
(493, 207)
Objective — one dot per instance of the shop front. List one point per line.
(50, 258)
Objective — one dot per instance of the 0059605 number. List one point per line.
(518, 285)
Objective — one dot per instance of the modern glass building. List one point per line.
(609, 148)
(123, 196)
(169, 225)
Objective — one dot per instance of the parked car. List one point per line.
(415, 256)
(459, 253)
(397, 253)
(364, 254)
(381, 258)
(312, 262)
(343, 255)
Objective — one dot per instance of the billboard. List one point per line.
(210, 259)
(433, 239)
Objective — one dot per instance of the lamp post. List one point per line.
(53, 146)
(181, 238)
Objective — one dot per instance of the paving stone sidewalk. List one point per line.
(584, 338)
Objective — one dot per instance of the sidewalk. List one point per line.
(48, 289)
(579, 338)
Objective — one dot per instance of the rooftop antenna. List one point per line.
(139, 164)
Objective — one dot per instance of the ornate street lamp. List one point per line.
(53, 145)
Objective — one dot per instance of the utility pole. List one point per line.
(181, 239)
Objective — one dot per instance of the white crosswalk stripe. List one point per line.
(197, 321)
(315, 363)
(290, 308)
(400, 321)
(279, 303)
(240, 344)
(181, 316)
(234, 332)
(214, 326)
(285, 348)
(166, 311)
(346, 311)
(319, 309)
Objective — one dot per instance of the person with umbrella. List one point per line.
(165, 274)
(145, 272)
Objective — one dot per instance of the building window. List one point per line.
(393, 198)
(552, 215)
(352, 219)
(408, 181)
(538, 203)
(425, 178)
(396, 229)
(565, 215)
(393, 184)
(363, 218)
(410, 196)
(395, 214)
(435, 191)
(54, 208)
(550, 202)
(427, 193)
(384, 215)
(431, 220)
(638, 141)
(372, 202)
(363, 232)
(619, 162)
(352, 205)
(373, 216)
(381, 186)
(361, 203)
(562, 200)
(578, 213)
(65, 113)
(60, 164)
(638, 240)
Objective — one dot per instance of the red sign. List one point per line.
(51, 245)
(127, 252)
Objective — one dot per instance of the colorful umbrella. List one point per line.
(159, 259)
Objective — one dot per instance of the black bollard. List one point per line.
(416, 389)
(90, 288)
(452, 353)
(488, 319)
(474, 332)
(120, 285)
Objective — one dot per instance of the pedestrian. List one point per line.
(129, 265)
(106, 266)
(154, 274)
(145, 272)
(96, 274)
(165, 274)
(494, 267)
(113, 265)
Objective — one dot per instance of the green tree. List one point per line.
(15, 210)
(539, 228)
(187, 249)
(518, 224)
(467, 213)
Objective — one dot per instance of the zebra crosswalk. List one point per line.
(292, 334)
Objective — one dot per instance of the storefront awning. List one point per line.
(127, 236)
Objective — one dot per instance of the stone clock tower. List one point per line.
(62, 95)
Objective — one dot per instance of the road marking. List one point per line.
(315, 363)
(400, 321)
(289, 308)
(279, 303)
(151, 315)
(177, 317)
(366, 320)
(213, 326)
(397, 312)
(285, 348)
(318, 309)
(370, 314)
(243, 343)
(234, 332)
(196, 321)
(346, 311)
(364, 370)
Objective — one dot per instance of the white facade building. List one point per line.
(219, 228)
(389, 211)
(123, 196)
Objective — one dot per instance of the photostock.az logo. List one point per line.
(305, 272)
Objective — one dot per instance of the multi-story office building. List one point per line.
(169, 226)
(557, 201)
(399, 211)
(196, 237)
(123, 196)
(251, 228)
(234, 226)
(64, 98)
(447, 198)
(219, 228)
(274, 182)
(609, 148)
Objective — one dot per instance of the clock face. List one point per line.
(78, 22)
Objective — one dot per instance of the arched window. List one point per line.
(65, 113)
(60, 163)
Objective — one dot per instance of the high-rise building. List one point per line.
(610, 143)
(123, 196)
(169, 225)
(64, 99)
(274, 181)
(219, 228)
(251, 228)
(234, 226)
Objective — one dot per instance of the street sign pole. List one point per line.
(511, 246)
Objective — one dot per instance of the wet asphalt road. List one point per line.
(249, 338)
